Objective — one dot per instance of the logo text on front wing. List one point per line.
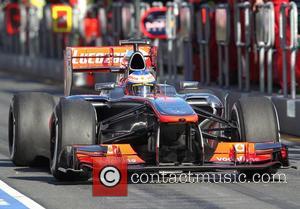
(238, 159)
(227, 159)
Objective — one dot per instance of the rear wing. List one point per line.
(106, 59)
(113, 59)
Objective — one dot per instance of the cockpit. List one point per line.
(151, 90)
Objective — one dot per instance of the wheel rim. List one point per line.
(12, 140)
(235, 118)
(54, 157)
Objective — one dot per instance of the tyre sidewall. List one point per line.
(31, 113)
(69, 131)
(257, 120)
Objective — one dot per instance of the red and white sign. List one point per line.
(153, 23)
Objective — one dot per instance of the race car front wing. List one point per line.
(227, 156)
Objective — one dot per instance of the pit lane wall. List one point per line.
(289, 114)
(41, 68)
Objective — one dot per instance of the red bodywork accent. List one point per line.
(232, 154)
(176, 119)
(284, 153)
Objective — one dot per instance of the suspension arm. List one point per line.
(213, 117)
(211, 136)
(123, 115)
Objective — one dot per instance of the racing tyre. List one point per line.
(28, 127)
(256, 118)
(73, 122)
(257, 121)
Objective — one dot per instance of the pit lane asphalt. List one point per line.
(39, 185)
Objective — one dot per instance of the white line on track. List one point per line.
(19, 197)
(3, 202)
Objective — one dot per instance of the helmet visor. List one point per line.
(143, 90)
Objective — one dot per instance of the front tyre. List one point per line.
(256, 118)
(74, 122)
(257, 122)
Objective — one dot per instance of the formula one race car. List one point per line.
(151, 124)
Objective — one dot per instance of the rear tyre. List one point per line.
(257, 121)
(74, 122)
(28, 127)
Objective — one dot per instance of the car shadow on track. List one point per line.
(38, 173)
(6, 163)
(51, 180)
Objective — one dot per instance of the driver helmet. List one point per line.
(141, 83)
